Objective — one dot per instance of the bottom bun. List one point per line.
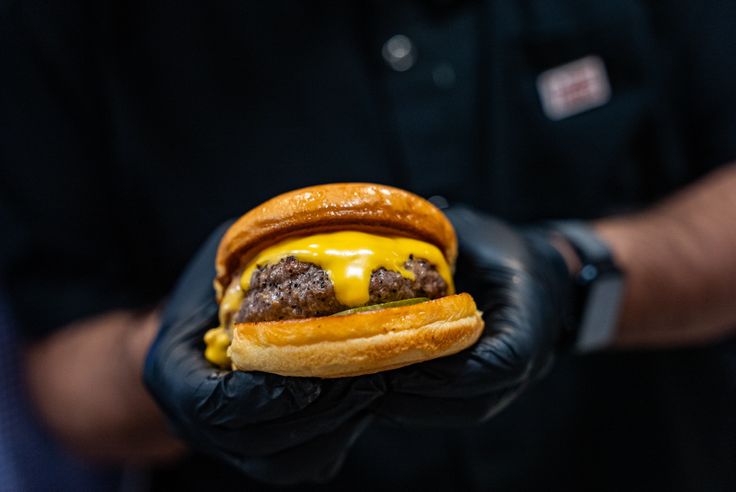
(360, 343)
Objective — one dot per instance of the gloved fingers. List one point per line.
(428, 411)
(317, 460)
(236, 399)
(186, 384)
(486, 240)
(194, 286)
(498, 360)
(180, 337)
(339, 401)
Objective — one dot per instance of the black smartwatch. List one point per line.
(599, 286)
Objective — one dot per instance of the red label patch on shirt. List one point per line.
(574, 87)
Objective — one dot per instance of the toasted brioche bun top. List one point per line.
(366, 207)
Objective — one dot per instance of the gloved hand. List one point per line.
(274, 428)
(522, 284)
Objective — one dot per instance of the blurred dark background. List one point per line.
(132, 129)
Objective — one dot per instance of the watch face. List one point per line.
(600, 315)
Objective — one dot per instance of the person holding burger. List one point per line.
(478, 246)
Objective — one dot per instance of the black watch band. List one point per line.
(599, 285)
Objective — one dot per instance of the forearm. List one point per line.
(680, 261)
(85, 381)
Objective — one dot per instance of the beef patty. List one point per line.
(292, 289)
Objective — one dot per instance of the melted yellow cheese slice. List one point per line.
(217, 340)
(348, 257)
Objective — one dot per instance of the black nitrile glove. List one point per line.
(522, 284)
(274, 428)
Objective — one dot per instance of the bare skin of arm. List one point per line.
(86, 382)
(680, 259)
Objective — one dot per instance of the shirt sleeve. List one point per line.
(63, 243)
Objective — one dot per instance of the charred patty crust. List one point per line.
(292, 289)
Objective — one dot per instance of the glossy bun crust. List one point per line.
(361, 343)
(364, 207)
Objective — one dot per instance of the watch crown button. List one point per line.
(588, 273)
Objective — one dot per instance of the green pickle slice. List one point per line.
(376, 307)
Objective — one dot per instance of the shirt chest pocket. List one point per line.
(581, 113)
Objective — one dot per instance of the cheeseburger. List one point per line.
(339, 280)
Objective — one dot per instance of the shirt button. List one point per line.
(399, 53)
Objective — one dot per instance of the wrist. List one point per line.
(557, 262)
(145, 416)
(597, 284)
(616, 233)
(568, 253)
(137, 341)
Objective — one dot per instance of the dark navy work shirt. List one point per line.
(129, 130)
